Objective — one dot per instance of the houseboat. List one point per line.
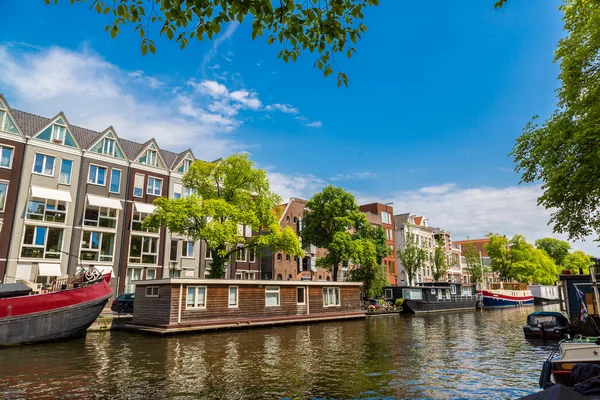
(546, 325)
(544, 294)
(569, 284)
(167, 306)
(433, 297)
(62, 310)
(507, 295)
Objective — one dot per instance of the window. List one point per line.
(115, 180)
(173, 250)
(3, 191)
(331, 296)
(150, 157)
(392, 267)
(415, 294)
(136, 223)
(187, 192)
(238, 275)
(151, 274)
(47, 210)
(453, 289)
(251, 255)
(100, 217)
(300, 295)
(271, 296)
(278, 256)
(177, 190)
(42, 242)
(65, 172)
(287, 258)
(195, 297)
(6, 122)
(43, 164)
(208, 253)
(154, 185)
(389, 294)
(187, 249)
(466, 291)
(97, 175)
(138, 185)
(6, 155)
(233, 296)
(241, 255)
(389, 234)
(97, 246)
(385, 217)
(151, 291)
(58, 133)
(143, 250)
(250, 275)
(185, 166)
(133, 274)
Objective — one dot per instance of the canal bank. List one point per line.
(469, 354)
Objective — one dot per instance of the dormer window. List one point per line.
(58, 133)
(149, 158)
(6, 123)
(108, 146)
(185, 166)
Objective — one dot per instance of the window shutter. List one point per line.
(139, 181)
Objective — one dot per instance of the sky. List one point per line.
(438, 93)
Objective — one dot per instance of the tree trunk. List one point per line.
(217, 269)
(335, 272)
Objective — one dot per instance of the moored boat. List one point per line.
(572, 351)
(433, 297)
(64, 311)
(507, 295)
(544, 294)
(546, 325)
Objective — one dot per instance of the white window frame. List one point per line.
(176, 242)
(143, 252)
(44, 215)
(140, 188)
(154, 291)
(303, 288)
(452, 289)
(86, 222)
(107, 258)
(153, 270)
(238, 275)
(138, 216)
(251, 255)
(3, 201)
(237, 297)
(154, 179)
(241, 256)
(56, 138)
(43, 247)
(195, 306)
(391, 294)
(249, 275)
(186, 246)
(12, 156)
(273, 290)
(105, 140)
(209, 251)
(95, 181)
(61, 170)
(328, 294)
(111, 180)
(177, 186)
(44, 164)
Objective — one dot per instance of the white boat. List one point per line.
(570, 352)
(544, 294)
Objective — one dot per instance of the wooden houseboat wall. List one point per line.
(173, 305)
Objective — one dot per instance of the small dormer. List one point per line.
(6, 122)
(185, 164)
(58, 132)
(151, 156)
(108, 145)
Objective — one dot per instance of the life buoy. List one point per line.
(545, 381)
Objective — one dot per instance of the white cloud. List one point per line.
(477, 211)
(228, 33)
(316, 124)
(212, 88)
(302, 186)
(284, 108)
(249, 99)
(353, 176)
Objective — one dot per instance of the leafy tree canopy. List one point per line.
(562, 153)
(556, 248)
(332, 223)
(227, 193)
(473, 261)
(439, 265)
(576, 260)
(326, 28)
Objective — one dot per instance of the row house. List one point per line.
(383, 216)
(484, 258)
(424, 237)
(80, 197)
(452, 254)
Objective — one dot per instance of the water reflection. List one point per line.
(456, 355)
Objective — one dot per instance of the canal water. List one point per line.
(478, 354)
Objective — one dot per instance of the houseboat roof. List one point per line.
(239, 282)
(548, 314)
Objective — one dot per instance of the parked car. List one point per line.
(123, 304)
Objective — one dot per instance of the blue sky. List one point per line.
(438, 93)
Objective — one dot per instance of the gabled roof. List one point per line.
(159, 152)
(9, 111)
(418, 220)
(131, 148)
(85, 137)
(30, 124)
(180, 158)
(169, 158)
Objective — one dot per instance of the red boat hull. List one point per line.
(52, 316)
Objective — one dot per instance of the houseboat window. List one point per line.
(452, 289)
(331, 296)
(466, 291)
(271, 296)
(389, 294)
(233, 296)
(300, 295)
(151, 291)
(432, 291)
(414, 294)
(195, 297)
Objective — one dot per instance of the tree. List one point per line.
(562, 152)
(499, 253)
(438, 260)
(331, 223)
(412, 256)
(576, 260)
(556, 248)
(327, 28)
(227, 193)
(473, 261)
(370, 271)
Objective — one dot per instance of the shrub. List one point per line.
(399, 302)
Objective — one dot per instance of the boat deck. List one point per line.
(240, 323)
